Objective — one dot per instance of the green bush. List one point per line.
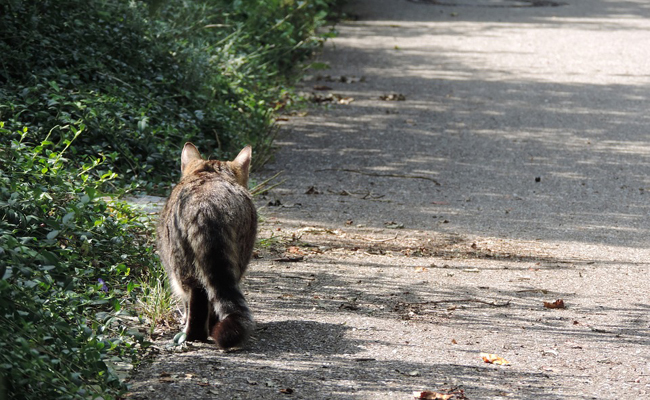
(97, 96)
(66, 262)
(144, 80)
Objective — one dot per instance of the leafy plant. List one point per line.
(96, 97)
(66, 264)
(143, 82)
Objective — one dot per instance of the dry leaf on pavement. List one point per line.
(556, 304)
(494, 359)
(429, 395)
(392, 97)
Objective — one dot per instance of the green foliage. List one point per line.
(66, 262)
(142, 81)
(95, 96)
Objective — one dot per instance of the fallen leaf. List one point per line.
(295, 250)
(392, 97)
(494, 359)
(286, 391)
(342, 79)
(556, 304)
(330, 97)
(429, 395)
(409, 373)
(349, 306)
(317, 98)
(346, 100)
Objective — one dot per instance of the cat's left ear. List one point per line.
(189, 154)
(241, 165)
(243, 160)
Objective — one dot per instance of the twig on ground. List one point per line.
(356, 171)
(489, 303)
(367, 195)
(289, 259)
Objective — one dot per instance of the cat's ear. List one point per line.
(241, 165)
(189, 154)
(243, 160)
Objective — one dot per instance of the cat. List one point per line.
(206, 235)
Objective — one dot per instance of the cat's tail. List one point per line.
(220, 265)
(234, 323)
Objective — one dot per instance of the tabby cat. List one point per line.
(206, 235)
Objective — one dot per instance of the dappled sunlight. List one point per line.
(521, 56)
(480, 190)
(473, 295)
(555, 147)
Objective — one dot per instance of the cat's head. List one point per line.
(193, 163)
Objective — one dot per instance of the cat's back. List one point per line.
(211, 191)
(209, 216)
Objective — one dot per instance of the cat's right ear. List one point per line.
(190, 153)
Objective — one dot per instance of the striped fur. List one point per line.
(206, 235)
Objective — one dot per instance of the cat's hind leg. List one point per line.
(198, 312)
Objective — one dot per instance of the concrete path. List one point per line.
(491, 157)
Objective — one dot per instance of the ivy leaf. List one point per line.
(68, 217)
